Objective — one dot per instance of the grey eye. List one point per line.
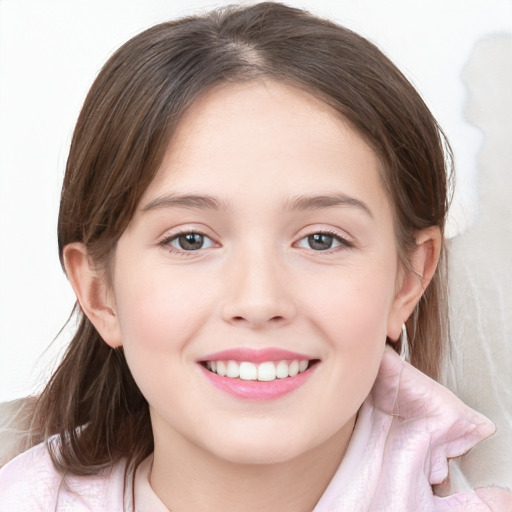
(320, 241)
(323, 242)
(189, 241)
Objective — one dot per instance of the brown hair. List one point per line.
(128, 117)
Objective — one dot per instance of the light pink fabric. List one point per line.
(406, 431)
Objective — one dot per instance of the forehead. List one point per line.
(266, 139)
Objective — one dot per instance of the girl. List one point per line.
(252, 220)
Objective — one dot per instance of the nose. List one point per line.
(259, 293)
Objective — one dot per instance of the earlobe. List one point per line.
(416, 278)
(92, 292)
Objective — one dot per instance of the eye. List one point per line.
(323, 242)
(190, 241)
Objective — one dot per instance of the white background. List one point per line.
(50, 51)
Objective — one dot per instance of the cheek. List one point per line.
(158, 318)
(353, 317)
(354, 324)
(155, 308)
(353, 306)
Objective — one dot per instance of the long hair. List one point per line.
(92, 402)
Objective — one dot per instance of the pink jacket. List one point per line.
(406, 431)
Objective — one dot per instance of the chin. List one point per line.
(251, 446)
(248, 454)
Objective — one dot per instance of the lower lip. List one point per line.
(258, 390)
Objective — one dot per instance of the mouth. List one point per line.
(258, 375)
(266, 371)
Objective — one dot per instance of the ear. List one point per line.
(415, 279)
(92, 292)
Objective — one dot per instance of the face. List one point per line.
(257, 282)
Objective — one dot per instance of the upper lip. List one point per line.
(255, 355)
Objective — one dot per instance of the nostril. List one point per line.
(272, 320)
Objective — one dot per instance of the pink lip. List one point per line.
(253, 389)
(256, 390)
(255, 356)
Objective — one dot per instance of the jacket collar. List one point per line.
(407, 430)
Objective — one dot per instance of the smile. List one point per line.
(263, 372)
(257, 374)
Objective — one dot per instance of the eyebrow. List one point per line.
(303, 202)
(306, 202)
(191, 201)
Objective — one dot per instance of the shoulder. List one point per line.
(30, 482)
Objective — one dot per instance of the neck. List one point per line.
(186, 478)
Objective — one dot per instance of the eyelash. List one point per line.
(343, 242)
(166, 242)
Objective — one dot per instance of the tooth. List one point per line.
(248, 371)
(232, 370)
(221, 368)
(293, 369)
(266, 372)
(282, 370)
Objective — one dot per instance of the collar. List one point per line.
(407, 430)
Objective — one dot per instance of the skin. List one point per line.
(257, 282)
